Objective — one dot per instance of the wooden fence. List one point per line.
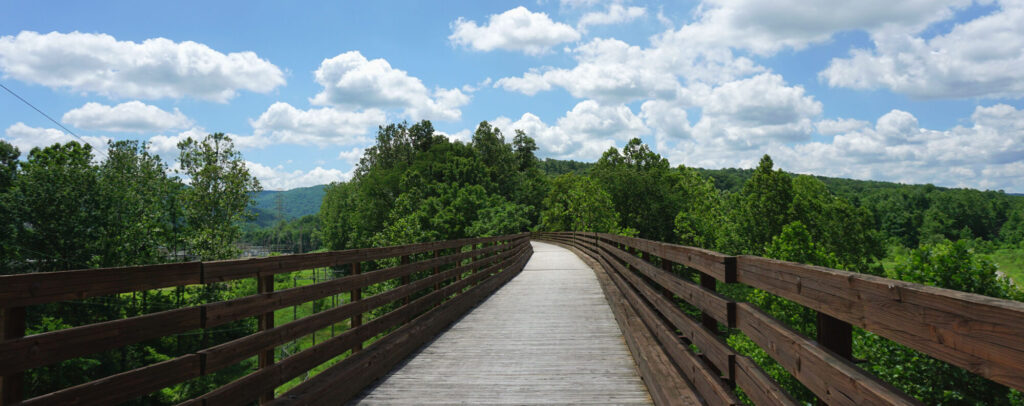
(445, 281)
(981, 334)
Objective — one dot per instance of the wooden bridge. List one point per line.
(564, 318)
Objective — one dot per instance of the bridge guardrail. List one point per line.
(447, 279)
(981, 334)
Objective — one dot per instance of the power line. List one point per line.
(98, 150)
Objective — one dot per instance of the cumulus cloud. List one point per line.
(168, 144)
(25, 138)
(584, 132)
(613, 71)
(350, 80)
(978, 58)
(153, 69)
(321, 126)
(351, 156)
(989, 153)
(751, 112)
(133, 116)
(278, 178)
(615, 14)
(767, 27)
(517, 29)
(839, 126)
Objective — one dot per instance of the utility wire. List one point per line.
(98, 150)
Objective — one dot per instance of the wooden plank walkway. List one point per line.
(547, 337)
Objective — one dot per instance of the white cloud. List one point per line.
(669, 121)
(751, 112)
(351, 156)
(615, 14)
(839, 126)
(517, 29)
(584, 132)
(168, 144)
(989, 153)
(613, 71)
(26, 138)
(465, 136)
(133, 116)
(350, 80)
(278, 178)
(155, 68)
(766, 27)
(323, 126)
(978, 58)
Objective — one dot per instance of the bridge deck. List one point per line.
(548, 336)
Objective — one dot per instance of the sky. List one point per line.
(910, 91)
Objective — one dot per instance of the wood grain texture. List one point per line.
(124, 386)
(978, 333)
(547, 336)
(833, 379)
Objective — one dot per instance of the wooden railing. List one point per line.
(981, 334)
(437, 283)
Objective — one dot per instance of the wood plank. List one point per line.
(220, 271)
(716, 350)
(978, 333)
(547, 336)
(223, 312)
(706, 300)
(833, 379)
(46, 287)
(55, 346)
(758, 386)
(125, 386)
(721, 267)
(710, 387)
(664, 381)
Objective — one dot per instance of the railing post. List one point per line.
(405, 280)
(437, 270)
(708, 282)
(355, 296)
(12, 325)
(265, 284)
(836, 335)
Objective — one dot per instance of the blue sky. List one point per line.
(912, 91)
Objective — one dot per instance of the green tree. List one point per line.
(219, 195)
(8, 219)
(700, 218)
(767, 197)
(641, 186)
(577, 203)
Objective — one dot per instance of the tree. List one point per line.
(700, 218)
(766, 200)
(8, 220)
(57, 201)
(577, 203)
(641, 186)
(138, 223)
(219, 196)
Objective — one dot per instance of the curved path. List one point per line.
(548, 336)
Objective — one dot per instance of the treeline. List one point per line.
(61, 208)
(415, 185)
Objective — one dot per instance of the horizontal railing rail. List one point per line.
(980, 334)
(433, 284)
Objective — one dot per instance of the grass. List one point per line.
(1011, 262)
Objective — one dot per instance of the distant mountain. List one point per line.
(289, 204)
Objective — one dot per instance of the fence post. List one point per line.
(708, 282)
(836, 335)
(355, 296)
(265, 284)
(12, 325)
(437, 270)
(405, 280)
